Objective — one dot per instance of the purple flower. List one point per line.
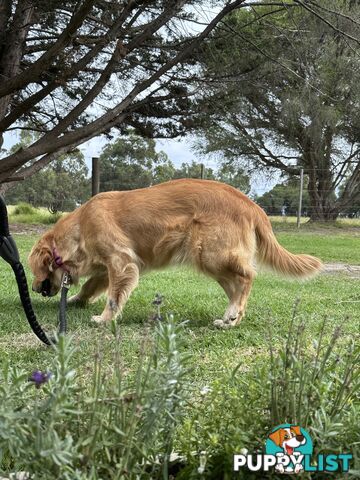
(38, 378)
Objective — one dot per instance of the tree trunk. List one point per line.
(322, 197)
(323, 204)
(317, 159)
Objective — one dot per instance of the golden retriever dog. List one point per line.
(116, 236)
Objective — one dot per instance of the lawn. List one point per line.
(198, 300)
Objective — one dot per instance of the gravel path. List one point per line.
(353, 271)
(28, 228)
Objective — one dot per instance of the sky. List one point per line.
(178, 151)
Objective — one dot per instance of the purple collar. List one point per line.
(58, 261)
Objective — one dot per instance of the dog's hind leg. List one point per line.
(237, 286)
(91, 289)
(235, 277)
(122, 281)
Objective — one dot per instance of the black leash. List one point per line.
(10, 253)
(65, 285)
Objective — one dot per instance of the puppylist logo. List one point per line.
(288, 449)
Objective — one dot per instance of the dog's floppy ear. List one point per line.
(45, 257)
(40, 259)
(277, 437)
(296, 429)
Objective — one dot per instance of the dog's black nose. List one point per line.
(300, 438)
(45, 288)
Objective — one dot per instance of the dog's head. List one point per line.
(288, 438)
(48, 277)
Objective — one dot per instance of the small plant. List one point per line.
(317, 386)
(125, 425)
(158, 303)
(25, 213)
(304, 379)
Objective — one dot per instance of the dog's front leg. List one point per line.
(91, 289)
(122, 281)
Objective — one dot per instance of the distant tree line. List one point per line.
(133, 162)
(283, 199)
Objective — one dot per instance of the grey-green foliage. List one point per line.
(317, 386)
(126, 425)
(132, 162)
(115, 428)
(284, 194)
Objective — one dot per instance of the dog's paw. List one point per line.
(280, 468)
(219, 323)
(97, 319)
(298, 468)
(75, 300)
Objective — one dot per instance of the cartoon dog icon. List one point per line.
(288, 439)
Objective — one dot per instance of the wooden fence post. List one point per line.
(95, 176)
(300, 197)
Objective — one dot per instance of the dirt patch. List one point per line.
(317, 229)
(353, 271)
(27, 229)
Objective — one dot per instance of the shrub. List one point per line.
(24, 209)
(51, 218)
(130, 426)
(25, 213)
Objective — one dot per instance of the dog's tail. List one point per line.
(270, 253)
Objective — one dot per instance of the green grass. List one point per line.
(339, 248)
(193, 297)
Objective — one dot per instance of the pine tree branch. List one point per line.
(51, 143)
(327, 22)
(34, 72)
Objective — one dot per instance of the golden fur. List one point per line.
(117, 235)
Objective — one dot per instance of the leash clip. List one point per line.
(66, 281)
